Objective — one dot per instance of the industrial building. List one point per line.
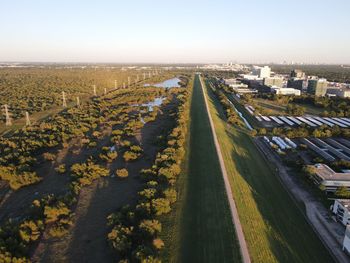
(285, 91)
(339, 92)
(239, 87)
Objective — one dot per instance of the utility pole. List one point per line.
(64, 102)
(27, 119)
(105, 91)
(94, 86)
(128, 81)
(115, 84)
(78, 102)
(7, 114)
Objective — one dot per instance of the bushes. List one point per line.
(122, 173)
(86, 173)
(135, 230)
(130, 156)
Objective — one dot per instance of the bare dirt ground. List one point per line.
(86, 240)
(15, 202)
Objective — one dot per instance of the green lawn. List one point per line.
(206, 232)
(274, 227)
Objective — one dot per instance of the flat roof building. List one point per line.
(339, 92)
(285, 91)
(330, 179)
(273, 81)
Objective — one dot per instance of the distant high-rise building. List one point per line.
(262, 72)
(297, 73)
(317, 87)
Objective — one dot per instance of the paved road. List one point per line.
(331, 233)
(233, 208)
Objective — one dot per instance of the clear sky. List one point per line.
(175, 31)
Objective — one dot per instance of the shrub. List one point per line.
(61, 168)
(122, 173)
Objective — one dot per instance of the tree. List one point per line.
(122, 173)
(161, 206)
(342, 192)
(150, 227)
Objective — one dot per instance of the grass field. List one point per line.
(206, 232)
(274, 227)
(277, 109)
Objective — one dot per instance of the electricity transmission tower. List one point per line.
(27, 119)
(64, 102)
(7, 116)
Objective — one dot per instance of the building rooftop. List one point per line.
(327, 173)
(344, 202)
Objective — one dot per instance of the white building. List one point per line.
(346, 241)
(341, 208)
(285, 91)
(261, 72)
(239, 87)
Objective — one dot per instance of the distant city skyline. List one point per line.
(175, 31)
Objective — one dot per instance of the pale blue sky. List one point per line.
(175, 31)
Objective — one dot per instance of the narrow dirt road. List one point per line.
(234, 212)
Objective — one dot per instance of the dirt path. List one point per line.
(331, 233)
(234, 212)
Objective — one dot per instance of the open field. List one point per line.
(277, 109)
(207, 233)
(274, 227)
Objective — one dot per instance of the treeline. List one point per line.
(301, 132)
(221, 93)
(26, 89)
(134, 233)
(334, 106)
